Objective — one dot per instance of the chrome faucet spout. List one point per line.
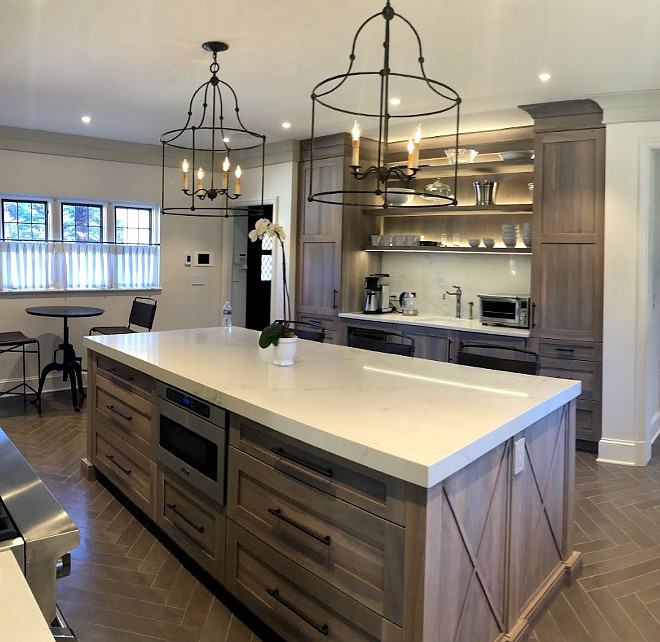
(457, 293)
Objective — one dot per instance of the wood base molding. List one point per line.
(87, 469)
(565, 574)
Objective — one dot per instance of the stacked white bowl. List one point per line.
(509, 235)
(527, 234)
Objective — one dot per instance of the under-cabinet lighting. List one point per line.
(448, 382)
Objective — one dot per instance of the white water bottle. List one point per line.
(226, 315)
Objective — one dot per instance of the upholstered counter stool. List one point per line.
(17, 342)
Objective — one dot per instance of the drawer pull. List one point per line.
(278, 513)
(326, 472)
(275, 593)
(565, 349)
(120, 375)
(185, 471)
(126, 471)
(111, 408)
(176, 511)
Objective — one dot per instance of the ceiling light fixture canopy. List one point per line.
(381, 166)
(207, 146)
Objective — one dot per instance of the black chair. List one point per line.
(142, 315)
(16, 342)
(306, 330)
(381, 341)
(517, 360)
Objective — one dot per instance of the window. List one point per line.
(24, 220)
(133, 225)
(81, 223)
(69, 245)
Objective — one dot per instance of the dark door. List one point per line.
(259, 275)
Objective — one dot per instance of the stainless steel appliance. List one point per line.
(408, 301)
(377, 299)
(510, 310)
(192, 439)
(37, 530)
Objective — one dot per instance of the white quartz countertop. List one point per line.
(22, 620)
(430, 321)
(415, 419)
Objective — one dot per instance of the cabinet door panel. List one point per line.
(321, 219)
(319, 277)
(568, 292)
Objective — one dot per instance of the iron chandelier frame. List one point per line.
(383, 175)
(209, 139)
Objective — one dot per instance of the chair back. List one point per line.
(143, 312)
(526, 363)
(306, 330)
(381, 341)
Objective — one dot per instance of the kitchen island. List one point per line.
(368, 496)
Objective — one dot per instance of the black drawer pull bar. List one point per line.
(120, 375)
(565, 349)
(126, 471)
(324, 628)
(326, 472)
(176, 511)
(113, 409)
(278, 513)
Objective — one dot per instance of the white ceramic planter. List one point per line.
(285, 351)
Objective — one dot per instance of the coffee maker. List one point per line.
(377, 299)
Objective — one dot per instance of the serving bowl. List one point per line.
(516, 155)
(463, 155)
(398, 196)
(489, 242)
(474, 242)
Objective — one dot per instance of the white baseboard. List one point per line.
(623, 452)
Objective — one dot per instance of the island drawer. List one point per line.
(127, 414)
(131, 471)
(124, 376)
(376, 492)
(192, 520)
(355, 551)
(292, 601)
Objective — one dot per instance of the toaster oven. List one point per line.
(511, 310)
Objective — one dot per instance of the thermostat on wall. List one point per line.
(203, 259)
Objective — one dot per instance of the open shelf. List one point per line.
(477, 168)
(449, 249)
(515, 208)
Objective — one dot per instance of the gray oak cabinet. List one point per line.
(567, 265)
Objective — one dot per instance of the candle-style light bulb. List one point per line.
(416, 139)
(184, 168)
(355, 132)
(238, 173)
(225, 173)
(411, 152)
(200, 178)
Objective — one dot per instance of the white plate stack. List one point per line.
(509, 235)
(527, 234)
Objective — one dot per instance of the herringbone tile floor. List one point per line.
(126, 587)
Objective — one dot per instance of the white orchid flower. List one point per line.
(278, 229)
(253, 235)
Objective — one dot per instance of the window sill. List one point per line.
(81, 291)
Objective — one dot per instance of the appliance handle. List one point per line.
(275, 593)
(326, 472)
(176, 511)
(111, 408)
(278, 513)
(116, 372)
(126, 471)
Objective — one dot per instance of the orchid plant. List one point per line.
(274, 332)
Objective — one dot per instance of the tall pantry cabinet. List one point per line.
(567, 248)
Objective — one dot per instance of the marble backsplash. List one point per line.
(431, 274)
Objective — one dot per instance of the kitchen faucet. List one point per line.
(457, 294)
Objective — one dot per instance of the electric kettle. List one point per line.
(408, 301)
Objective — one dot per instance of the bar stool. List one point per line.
(17, 342)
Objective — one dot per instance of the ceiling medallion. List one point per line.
(206, 149)
(379, 177)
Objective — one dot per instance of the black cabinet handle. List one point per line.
(275, 593)
(326, 472)
(126, 471)
(565, 349)
(176, 511)
(334, 298)
(533, 315)
(120, 375)
(111, 408)
(278, 513)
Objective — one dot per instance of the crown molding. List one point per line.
(630, 107)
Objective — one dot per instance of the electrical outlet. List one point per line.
(518, 455)
(187, 259)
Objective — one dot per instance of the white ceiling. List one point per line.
(134, 64)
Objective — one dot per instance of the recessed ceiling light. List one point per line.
(544, 77)
(86, 119)
(286, 125)
(225, 139)
(395, 101)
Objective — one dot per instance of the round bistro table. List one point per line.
(70, 364)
